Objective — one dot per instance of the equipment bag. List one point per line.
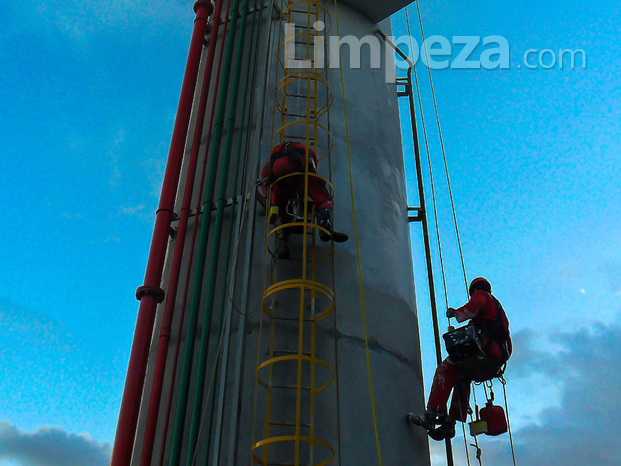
(465, 349)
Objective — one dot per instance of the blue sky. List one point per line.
(88, 99)
(534, 163)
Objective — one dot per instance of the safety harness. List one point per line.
(467, 350)
(494, 332)
(296, 154)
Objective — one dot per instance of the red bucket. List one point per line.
(495, 418)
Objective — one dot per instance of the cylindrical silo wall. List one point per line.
(387, 273)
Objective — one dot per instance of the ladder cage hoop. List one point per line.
(297, 299)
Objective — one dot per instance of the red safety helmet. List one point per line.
(289, 147)
(479, 283)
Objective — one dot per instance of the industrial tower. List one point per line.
(243, 354)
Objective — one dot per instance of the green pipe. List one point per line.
(211, 400)
(203, 356)
(188, 353)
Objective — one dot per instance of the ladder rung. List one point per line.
(297, 115)
(302, 138)
(290, 387)
(287, 424)
(292, 319)
(301, 96)
(303, 12)
(305, 353)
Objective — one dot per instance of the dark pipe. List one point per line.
(162, 350)
(150, 293)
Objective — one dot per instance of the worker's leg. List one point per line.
(460, 401)
(446, 377)
(318, 192)
(324, 209)
(278, 199)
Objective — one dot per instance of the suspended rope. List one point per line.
(476, 440)
(353, 208)
(449, 449)
(433, 192)
(463, 430)
(503, 382)
(461, 255)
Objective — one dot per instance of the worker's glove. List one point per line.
(450, 313)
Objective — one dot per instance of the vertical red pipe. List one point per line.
(150, 294)
(162, 350)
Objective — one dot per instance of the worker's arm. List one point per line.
(471, 308)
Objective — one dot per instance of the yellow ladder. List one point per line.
(299, 296)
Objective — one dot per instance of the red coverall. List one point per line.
(481, 309)
(282, 191)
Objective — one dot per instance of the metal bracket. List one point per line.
(418, 214)
(277, 10)
(407, 87)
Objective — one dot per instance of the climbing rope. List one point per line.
(433, 192)
(353, 208)
(476, 441)
(449, 451)
(503, 382)
(435, 106)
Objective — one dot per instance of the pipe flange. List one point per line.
(158, 293)
(201, 3)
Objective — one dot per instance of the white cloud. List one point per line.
(51, 446)
(131, 210)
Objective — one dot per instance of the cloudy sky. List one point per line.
(88, 95)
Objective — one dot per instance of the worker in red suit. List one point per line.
(290, 157)
(488, 316)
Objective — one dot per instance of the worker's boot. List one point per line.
(444, 431)
(428, 420)
(432, 418)
(324, 220)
